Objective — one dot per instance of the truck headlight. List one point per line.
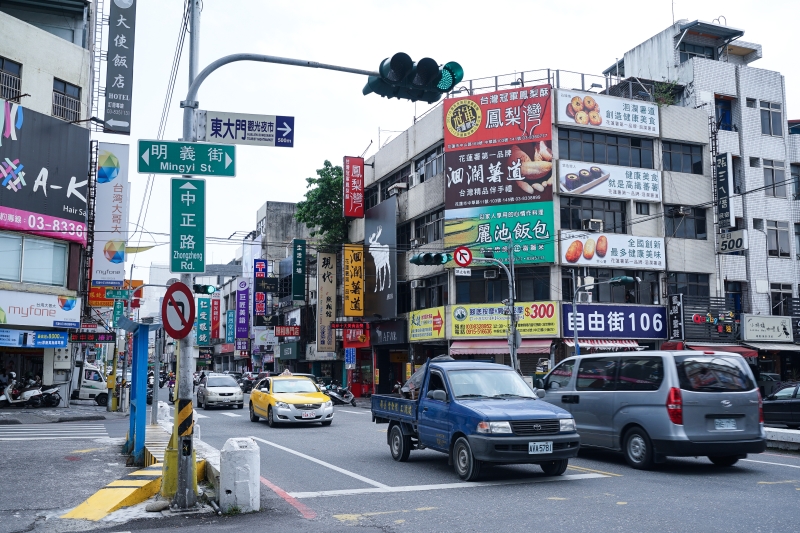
(567, 424)
(494, 427)
(281, 405)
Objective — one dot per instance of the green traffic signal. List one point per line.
(452, 74)
(402, 78)
(203, 289)
(430, 259)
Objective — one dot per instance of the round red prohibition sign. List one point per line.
(177, 311)
(462, 256)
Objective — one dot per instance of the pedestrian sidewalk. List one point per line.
(76, 412)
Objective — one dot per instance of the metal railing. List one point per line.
(65, 107)
(9, 86)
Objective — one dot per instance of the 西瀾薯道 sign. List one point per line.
(188, 225)
(188, 158)
(353, 269)
(534, 319)
(119, 67)
(240, 128)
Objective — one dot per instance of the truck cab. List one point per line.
(88, 383)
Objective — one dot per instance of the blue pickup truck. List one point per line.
(478, 413)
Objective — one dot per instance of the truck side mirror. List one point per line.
(438, 395)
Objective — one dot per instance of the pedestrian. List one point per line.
(202, 376)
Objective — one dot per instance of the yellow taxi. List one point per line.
(289, 399)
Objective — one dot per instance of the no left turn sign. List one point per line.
(177, 311)
(462, 256)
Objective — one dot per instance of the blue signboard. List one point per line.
(15, 338)
(615, 321)
(50, 339)
(230, 326)
(350, 356)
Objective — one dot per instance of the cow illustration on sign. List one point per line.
(380, 255)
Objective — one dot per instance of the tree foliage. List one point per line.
(322, 210)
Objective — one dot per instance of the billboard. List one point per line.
(353, 270)
(32, 309)
(767, 328)
(599, 321)
(44, 169)
(611, 250)
(534, 319)
(602, 112)
(426, 324)
(259, 293)
(243, 309)
(111, 216)
(380, 239)
(326, 301)
(609, 181)
(353, 187)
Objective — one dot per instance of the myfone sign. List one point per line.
(238, 128)
(187, 236)
(188, 158)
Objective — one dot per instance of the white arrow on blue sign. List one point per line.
(241, 128)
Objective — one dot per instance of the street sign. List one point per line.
(193, 159)
(118, 294)
(177, 311)
(462, 256)
(187, 235)
(239, 128)
(119, 309)
(287, 331)
(734, 241)
(466, 272)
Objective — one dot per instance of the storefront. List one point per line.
(287, 357)
(329, 366)
(773, 337)
(390, 354)
(223, 357)
(360, 379)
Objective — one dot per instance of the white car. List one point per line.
(219, 390)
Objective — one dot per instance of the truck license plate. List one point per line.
(724, 423)
(540, 447)
(309, 414)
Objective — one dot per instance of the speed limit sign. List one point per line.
(734, 241)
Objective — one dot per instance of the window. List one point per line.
(689, 51)
(733, 295)
(796, 240)
(597, 373)
(561, 375)
(640, 373)
(712, 373)
(66, 100)
(686, 158)
(724, 114)
(751, 102)
(403, 237)
(688, 284)
(10, 79)
(781, 298)
(795, 173)
(31, 260)
(430, 227)
(403, 297)
(755, 162)
(642, 208)
(433, 294)
(436, 382)
(778, 239)
(533, 285)
(575, 209)
(771, 122)
(371, 197)
(644, 292)
(605, 149)
(774, 178)
(401, 176)
(784, 394)
(685, 222)
(430, 165)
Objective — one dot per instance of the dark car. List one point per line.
(247, 381)
(783, 407)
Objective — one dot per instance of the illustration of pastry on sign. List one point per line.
(587, 249)
(584, 111)
(583, 180)
(537, 171)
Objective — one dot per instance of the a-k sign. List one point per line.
(187, 242)
(192, 159)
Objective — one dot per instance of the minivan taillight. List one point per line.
(760, 409)
(675, 406)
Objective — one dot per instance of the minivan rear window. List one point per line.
(713, 373)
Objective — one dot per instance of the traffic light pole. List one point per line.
(512, 325)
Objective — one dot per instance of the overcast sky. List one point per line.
(333, 119)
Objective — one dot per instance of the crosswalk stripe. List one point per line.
(52, 432)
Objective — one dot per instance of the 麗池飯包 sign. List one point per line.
(534, 319)
(326, 301)
(353, 187)
(111, 216)
(612, 250)
(602, 112)
(609, 181)
(426, 324)
(767, 328)
(599, 321)
(353, 272)
(32, 309)
(239, 128)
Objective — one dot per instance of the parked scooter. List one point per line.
(50, 396)
(339, 395)
(16, 394)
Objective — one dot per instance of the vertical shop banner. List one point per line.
(724, 179)
(111, 216)
(675, 317)
(215, 312)
(204, 321)
(326, 301)
(230, 326)
(353, 187)
(380, 236)
(298, 269)
(259, 294)
(243, 309)
(119, 66)
(353, 269)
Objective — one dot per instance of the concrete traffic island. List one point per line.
(239, 475)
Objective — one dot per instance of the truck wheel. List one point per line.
(638, 449)
(101, 399)
(399, 444)
(467, 467)
(724, 460)
(554, 468)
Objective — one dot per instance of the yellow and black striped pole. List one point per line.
(185, 418)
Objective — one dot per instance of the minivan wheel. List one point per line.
(638, 449)
(467, 467)
(724, 460)
(554, 468)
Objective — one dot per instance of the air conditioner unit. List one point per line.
(490, 274)
(584, 297)
(417, 283)
(394, 189)
(592, 224)
(416, 243)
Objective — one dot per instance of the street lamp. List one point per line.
(488, 257)
(615, 281)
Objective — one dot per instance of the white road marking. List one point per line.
(198, 415)
(354, 412)
(229, 414)
(768, 463)
(327, 465)
(416, 488)
(52, 432)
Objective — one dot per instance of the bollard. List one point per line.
(239, 473)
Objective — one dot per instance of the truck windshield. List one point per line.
(488, 384)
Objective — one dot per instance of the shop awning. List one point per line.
(774, 346)
(499, 347)
(604, 344)
(744, 351)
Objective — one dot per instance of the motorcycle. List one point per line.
(339, 395)
(50, 396)
(17, 394)
(171, 391)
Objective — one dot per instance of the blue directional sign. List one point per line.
(240, 128)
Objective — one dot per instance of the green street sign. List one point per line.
(188, 158)
(187, 232)
(118, 294)
(119, 308)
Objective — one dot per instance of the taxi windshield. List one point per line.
(488, 384)
(294, 385)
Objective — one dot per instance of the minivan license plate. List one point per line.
(540, 447)
(724, 423)
(309, 414)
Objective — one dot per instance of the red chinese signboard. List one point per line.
(287, 331)
(93, 338)
(353, 187)
(215, 317)
(356, 338)
(348, 325)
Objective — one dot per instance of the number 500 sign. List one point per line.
(734, 241)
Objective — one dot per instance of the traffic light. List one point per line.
(430, 259)
(425, 80)
(204, 289)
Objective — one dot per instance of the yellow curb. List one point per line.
(124, 492)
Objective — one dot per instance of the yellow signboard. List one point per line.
(353, 280)
(426, 324)
(534, 319)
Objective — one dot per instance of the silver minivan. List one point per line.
(655, 404)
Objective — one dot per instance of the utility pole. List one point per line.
(512, 314)
(156, 373)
